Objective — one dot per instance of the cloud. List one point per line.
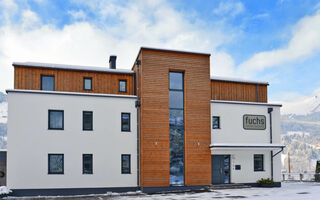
(304, 42)
(229, 8)
(77, 14)
(90, 42)
(222, 64)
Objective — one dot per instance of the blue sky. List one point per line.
(270, 40)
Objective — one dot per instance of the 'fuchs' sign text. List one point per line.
(254, 122)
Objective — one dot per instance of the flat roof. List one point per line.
(247, 145)
(246, 103)
(72, 67)
(175, 51)
(237, 80)
(71, 93)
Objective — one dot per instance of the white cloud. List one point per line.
(77, 14)
(87, 43)
(222, 64)
(304, 42)
(229, 8)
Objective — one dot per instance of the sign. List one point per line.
(254, 122)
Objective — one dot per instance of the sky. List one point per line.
(267, 40)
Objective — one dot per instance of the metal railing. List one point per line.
(308, 176)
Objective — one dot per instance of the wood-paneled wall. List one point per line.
(71, 81)
(234, 91)
(154, 134)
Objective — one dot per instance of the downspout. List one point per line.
(257, 86)
(138, 62)
(271, 152)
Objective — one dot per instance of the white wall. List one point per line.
(30, 141)
(232, 131)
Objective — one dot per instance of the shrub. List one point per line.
(265, 181)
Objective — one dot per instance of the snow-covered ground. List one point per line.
(288, 191)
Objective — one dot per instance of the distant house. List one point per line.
(163, 125)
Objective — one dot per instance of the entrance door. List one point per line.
(220, 169)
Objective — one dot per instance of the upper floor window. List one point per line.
(87, 83)
(258, 162)
(47, 83)
(125, 164)
(87, 120)
(122, 85)
(55, 164)
(215, 122)
(125, 122)
(87, 164)
(55, 120)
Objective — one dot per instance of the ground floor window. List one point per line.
(87, 164)
(55, 164)
(125, 164)
(258, 162)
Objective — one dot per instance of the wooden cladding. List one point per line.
(154, 117)
(71, 81)
(234, 91)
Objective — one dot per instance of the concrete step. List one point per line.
(228, 186)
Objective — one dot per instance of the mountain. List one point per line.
(300, 132)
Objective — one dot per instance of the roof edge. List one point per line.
(246, 103)
(237, 80)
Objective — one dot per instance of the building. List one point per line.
(164, 125)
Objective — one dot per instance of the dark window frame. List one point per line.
(125, 87)
(83, 171)
(122, 168)
(84, 83)
(254, 168)
(122, 130)
(54, 80)
(55, 154)
(83, 113)
(219, 124)
(50, 110)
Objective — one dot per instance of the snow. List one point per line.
(300, 133)
(4, 190)
(302, 106)
(239, 80)
(3, 112)
(288, 191)
(248, 103)
(246, 145)
(72, 67)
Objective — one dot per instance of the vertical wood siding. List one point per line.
(71, 81)
(154, 135)
(232, 91)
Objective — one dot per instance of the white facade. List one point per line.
(30, 141)
(238, 142)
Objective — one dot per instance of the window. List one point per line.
(215, 122)
(47, 83)
(87, 120)
(87, 164)
(87, 83)
(258, 162)
(125, 164)
(122, 85)
(125, 122)
(55, 164)
(55, 120)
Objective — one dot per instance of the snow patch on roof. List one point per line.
(238, 80)
(72, 67)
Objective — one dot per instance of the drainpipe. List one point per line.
(257, 87)
(271, 152)
(138, 62)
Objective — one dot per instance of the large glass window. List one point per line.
(125, 164)
(215, 122)
(125, 122)
(122, 86)
(258, 162)
(55, 120)
(87, 164)
(176, 110)
(47, 83)
(87, 120)
(55, 164)
(87, 83)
